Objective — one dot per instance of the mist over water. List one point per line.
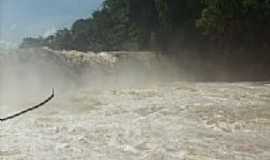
(28, 75)
(126, 105)
(36, 70)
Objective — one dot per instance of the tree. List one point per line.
(82, 31)
(244, 22)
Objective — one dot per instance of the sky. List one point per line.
(24, 18)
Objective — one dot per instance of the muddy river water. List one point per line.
(166, 121)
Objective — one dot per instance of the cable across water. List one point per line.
(29, 109)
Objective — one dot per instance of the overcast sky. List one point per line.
(23, 18)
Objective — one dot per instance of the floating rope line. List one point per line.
(29, 109)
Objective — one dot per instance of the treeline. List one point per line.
(166, 25)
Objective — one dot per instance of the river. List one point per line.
(175, 120)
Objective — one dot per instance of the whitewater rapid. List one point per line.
(166, 121)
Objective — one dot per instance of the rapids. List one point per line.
(168, 120)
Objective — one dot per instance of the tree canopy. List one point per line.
(165, 24)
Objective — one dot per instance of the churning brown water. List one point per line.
(159, 121)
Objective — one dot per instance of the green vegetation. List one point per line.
(167, 26)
